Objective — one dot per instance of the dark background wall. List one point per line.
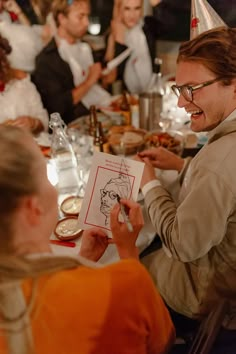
(174, 14)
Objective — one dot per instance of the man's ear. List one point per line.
(61, 18)
(32, 209)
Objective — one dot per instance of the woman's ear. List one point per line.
(32, 209)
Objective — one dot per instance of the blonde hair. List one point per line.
(18, 178)
(16, 314)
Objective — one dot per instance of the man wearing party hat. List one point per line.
(195, 267)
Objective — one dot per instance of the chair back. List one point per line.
(208, 330)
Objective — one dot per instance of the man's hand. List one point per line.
(94, 73)
(148, 172)
(94, 243)
(163, 159)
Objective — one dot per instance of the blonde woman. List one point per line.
(130, 30)
(60, 304)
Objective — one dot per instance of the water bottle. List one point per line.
(64, 157)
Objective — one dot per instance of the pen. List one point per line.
(63, 243)
(125, 215)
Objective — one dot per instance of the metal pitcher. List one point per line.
(150, 108)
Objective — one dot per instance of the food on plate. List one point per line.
(126, 139)
(116, 104)
(172, 141)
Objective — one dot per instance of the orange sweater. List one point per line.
(110, 310)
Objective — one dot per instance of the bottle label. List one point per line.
(98, 148)
(127, 117)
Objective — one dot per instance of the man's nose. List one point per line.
(182, 102)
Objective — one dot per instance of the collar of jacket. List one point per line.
(226, 127)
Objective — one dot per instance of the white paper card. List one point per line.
(112, 64)
(109, 175)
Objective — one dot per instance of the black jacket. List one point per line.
(54, 81)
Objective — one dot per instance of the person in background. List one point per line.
(65, 74)
(26, 40)
(10, 12)
(130, 30)
(196, 265)
(61, 304)
(20, 102)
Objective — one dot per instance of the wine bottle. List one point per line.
(125, 109)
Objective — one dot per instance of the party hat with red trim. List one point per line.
(203, 18)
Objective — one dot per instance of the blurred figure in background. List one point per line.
(65, 74)
(129, 30)
(26, 40)
(61, 304)
(20, 102)
(11, 12)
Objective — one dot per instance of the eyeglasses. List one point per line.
(187, 90)
(112, 195)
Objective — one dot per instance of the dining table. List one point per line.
(78, 131)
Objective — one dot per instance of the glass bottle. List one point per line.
(63, 156)
(99, 139)
(156, 91)
(92, 120)
(125, 109)
(156, 83)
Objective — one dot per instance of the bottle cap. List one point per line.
(157, 65)
(67, 229)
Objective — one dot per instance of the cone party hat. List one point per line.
(203, 18)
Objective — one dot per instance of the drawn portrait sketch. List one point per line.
(119, 186)
(110, 177)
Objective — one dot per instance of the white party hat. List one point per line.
(203, 18)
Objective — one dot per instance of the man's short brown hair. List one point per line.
(63, 6)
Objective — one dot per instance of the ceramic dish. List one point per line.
(67, 229)
(71, 206)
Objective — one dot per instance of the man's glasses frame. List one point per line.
(187, 90)
(112, 194)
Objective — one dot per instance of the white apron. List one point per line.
(79, 58)
(138, 69)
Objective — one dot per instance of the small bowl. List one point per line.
(67, 229)
(127, 141)
(71, 206)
